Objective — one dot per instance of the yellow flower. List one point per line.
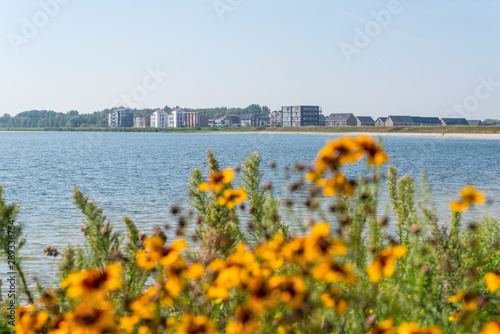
(128, 323)
(29, 320)
(384, 263)
(198, 325)
(333, 299)
(376, 154)
(145, 305)
(58, 325)
(319, 246)
(413, 328)
(492, 327)
(157, 253)
(94, 284)
(144, 330)
(492, 281)
(90, 319)
(337, 184)
(294, 250)
(468, 300)
(270, 251)
(230, 197)
(333, 272)
(217, 180)
(262, 295)
(385, 327)
(469, 195)
(292, 290)
(245, 322)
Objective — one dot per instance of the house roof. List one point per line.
(401, 119)
(339, 117)
(426, 120)
(474, 122)
(383, 119)
(365, 119)
(248, 116)
(177, 109)
(455, 121)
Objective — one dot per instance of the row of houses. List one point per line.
(347, 119)
(179, 118)
(158, 119)
(288, 116)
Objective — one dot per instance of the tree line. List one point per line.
(73, 119)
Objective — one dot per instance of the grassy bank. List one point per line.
(312, 129)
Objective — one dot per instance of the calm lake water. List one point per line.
(141, 174)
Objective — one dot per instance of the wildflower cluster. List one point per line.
(348, 272)
(335, 154)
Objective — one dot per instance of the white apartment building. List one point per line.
(159, 119)
(176, 118)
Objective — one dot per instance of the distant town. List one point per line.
(288, 116)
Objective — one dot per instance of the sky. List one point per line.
(368, 57)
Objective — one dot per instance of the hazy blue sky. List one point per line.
(427, 57)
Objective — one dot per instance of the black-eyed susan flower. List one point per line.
(469, 195)
(376, 155)
(492, 327)
(145, 305)
(262, 296)
(468, 300)
(384, 263)
(217, 180)
(333, 299)
(94, 284)
(337, 184)
(331, 272)
(195, 325)
(294, 251)
(127, 323)
(318, 245)
(29, 320)
(58, 325)
(91, 319)
(270, 252)
(176, 277)
(413, 328)
(156, 253)
(245, 322)
(345, 150)
(144, 330)
(492, 281)
(385, 327)
(231, 197)
(292, 290)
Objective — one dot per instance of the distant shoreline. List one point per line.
(402, 134)
(469, 132)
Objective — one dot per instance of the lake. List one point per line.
(141, 174)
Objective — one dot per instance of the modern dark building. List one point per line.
(300, 115)
(380, 121)
(399, 121)
(365, 121)
(454, 122)
(121, 118)
(426, 121)
(341, 119)
(249, 120)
